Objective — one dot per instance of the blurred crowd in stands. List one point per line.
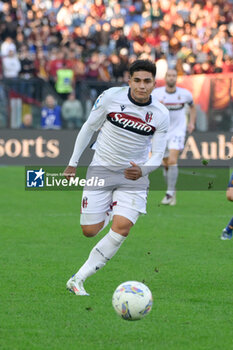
(98, 39)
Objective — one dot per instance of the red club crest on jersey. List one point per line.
(84, 202)
(149, 116)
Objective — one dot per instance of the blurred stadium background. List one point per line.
(82, 47)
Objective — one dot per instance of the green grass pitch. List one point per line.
(175, 250)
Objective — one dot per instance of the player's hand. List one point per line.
(134, 172)
(231, 139)
(69, 172)
(190, 128)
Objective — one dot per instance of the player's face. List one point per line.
(171, 78)
(141, 85)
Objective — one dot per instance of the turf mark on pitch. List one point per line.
(89, 308)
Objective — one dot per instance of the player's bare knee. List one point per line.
(122, 230)
(90, 230)
(121, 226)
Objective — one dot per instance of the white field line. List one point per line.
(194, 173)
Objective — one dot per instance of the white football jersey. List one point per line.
(175, 103)
(126, 127)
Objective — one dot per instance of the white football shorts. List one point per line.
(174, 142)
(118, 195)
(96, 204)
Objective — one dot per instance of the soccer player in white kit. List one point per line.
(175, 99)
(129, 120)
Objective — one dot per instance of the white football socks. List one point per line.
(172, 175)
(104, 250)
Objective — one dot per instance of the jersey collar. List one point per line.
(138, 103)
(172, 92)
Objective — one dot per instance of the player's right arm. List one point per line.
(94, 122)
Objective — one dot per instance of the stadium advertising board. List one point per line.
(46, 147)
(49, 147)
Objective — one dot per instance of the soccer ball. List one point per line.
(132, 300)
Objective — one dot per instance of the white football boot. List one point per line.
(75, 285)
(169, 200)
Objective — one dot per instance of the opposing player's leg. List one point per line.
(171, 175)
(227, 231)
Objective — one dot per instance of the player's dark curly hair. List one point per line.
(146, 65)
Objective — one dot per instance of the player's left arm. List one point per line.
(159, 142)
